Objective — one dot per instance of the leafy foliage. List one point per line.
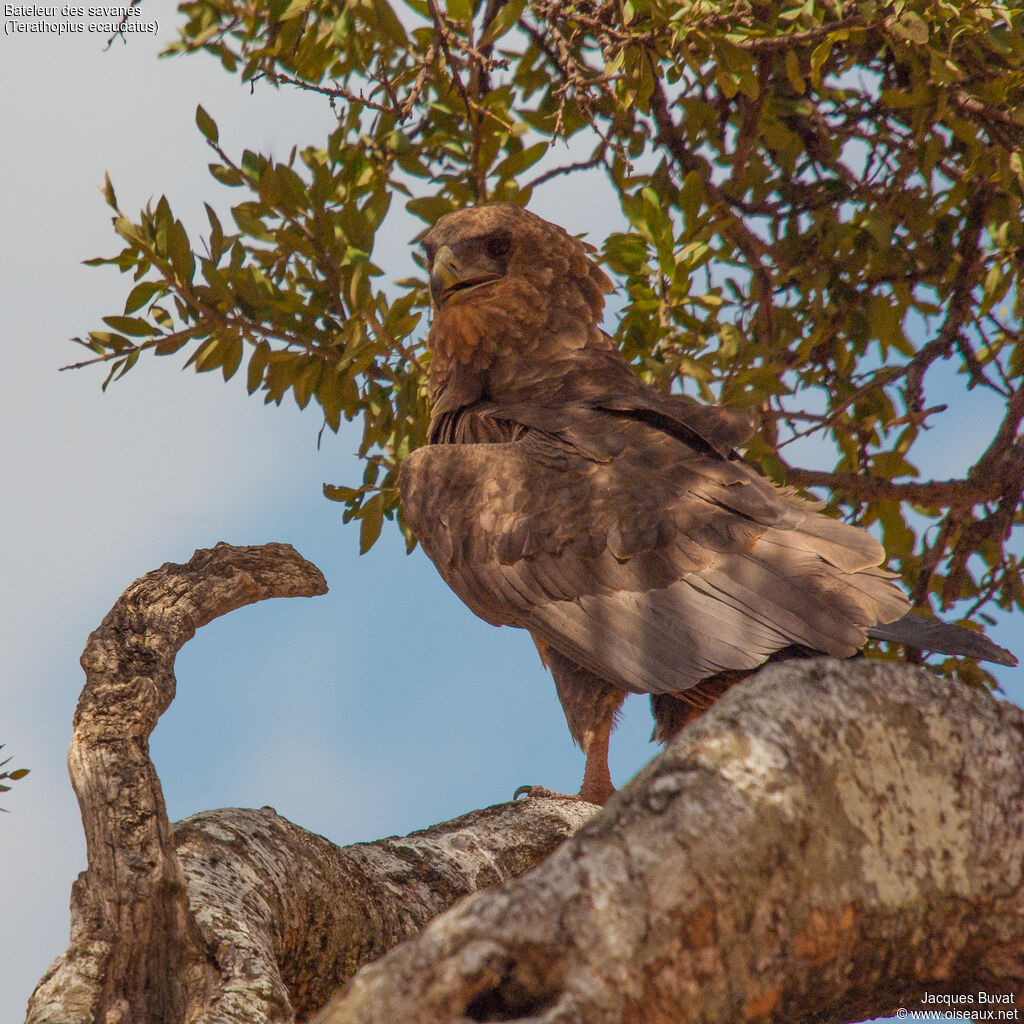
(14, 776)
(821, 204)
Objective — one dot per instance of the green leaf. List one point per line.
(335, 492)
(108, 191)
(507, 16)
(257, 364)
(253, 164)
(232, 356)
(727, 82)
(515, 164)
(819, 57)
(459, 10)
(690, 197)
(910, 26)
(430, 209)
(1017, 166)
(226, 175)
(295, 9)
(130, 325)
(208, 356)
(249, 223)
(371, 518)
(180, 251)
(206, 124)
(141, 294)
(384, 19)
(997, 283)
(794, 74)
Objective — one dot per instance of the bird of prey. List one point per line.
(616, 523)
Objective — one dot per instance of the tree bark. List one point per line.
(831, 841)
(289, 917)
(235, 915)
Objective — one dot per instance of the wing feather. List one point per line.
(653, 567)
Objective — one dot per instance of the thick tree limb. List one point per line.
(238, 915)
(831, 841)
(289, 913)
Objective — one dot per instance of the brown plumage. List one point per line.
(614, 522)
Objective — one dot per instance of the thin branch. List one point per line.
(333, 92)
(580, 165)
(412, 98)
(757, 253)
(775, 44)
(106, 357)
(961, 301)
(958, 494)
(119, 29)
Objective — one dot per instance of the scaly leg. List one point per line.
(591, 706)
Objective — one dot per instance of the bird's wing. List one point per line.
(648, 561)
(579, 368)
(720, 429)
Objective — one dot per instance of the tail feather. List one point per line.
(942, 637)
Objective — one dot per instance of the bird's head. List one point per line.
(501, 273)
(468, 252)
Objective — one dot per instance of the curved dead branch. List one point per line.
(135, 953)
(831, 841)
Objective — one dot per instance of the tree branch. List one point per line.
(289, 907)
(236, 915)
(755, 251)
(931, 493)
(135, 953)
(831, 841)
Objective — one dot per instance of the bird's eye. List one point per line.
(498, 246)
(429, 249)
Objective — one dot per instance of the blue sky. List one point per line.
(382, 707)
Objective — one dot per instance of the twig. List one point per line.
(333, 92)
(580, 165)
(119, 30)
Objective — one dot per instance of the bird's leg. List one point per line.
(673, 711)
(591, 706)
(597, 780)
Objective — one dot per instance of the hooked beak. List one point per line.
(448, 276)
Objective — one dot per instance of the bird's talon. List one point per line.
(539, 792)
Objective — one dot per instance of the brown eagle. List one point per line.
(616, 523)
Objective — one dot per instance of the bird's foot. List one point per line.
(541, 792)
